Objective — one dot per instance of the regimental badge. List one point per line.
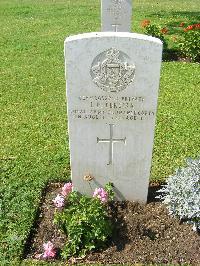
(111, 72)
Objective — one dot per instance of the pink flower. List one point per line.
(66, 189)
(49, 250)
(101, 194)
(59, 201)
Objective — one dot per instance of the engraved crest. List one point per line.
(111, 72)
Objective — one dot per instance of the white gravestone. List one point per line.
(112, 90)
(116, 15)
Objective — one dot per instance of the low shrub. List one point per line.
(189, 44)
(181, 194)
(155, 31)
(85, 221)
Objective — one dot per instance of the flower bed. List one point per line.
(185, 39)
(142, 233)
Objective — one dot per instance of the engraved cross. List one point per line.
(111, 142)
(116, 27)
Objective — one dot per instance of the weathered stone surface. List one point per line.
(116, 15)
(112, 89)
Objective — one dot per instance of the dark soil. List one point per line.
(174, 55)
(143, 234)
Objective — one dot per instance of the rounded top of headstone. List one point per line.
(114, 34)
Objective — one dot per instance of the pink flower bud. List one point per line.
(59, 201)
(66, 189)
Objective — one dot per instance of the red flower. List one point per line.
(191, 27)
(145, 23)
(182, 24)
(164, 30)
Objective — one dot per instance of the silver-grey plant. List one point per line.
(181, 193)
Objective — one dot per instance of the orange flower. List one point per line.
(164, 30)
(197, 26)
(174, 38)
(145, 23)
(182, 24)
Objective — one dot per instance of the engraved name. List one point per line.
(116, 9)
(108, 107)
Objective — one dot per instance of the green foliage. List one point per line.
(85, 222)
(109, 190)
(29, 262)
(190, 45)
(155, 31)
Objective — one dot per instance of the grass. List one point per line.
(34, 142)
(177, 130)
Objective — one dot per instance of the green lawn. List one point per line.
(34, 140)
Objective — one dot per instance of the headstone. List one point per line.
(116, 15)
(112, 90)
